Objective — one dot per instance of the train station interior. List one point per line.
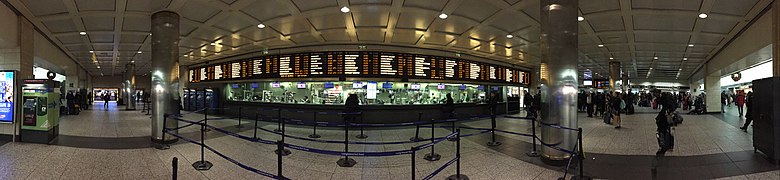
(389, 89)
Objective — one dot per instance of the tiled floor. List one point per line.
(707, 147)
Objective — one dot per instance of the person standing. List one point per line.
(448, 108)
(106, 97)
(589, 104)
(616, 104)
(740, 101)
(749, 115)
(527, 99)
(351, 108)
(723, 101)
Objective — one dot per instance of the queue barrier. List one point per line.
(576, 152)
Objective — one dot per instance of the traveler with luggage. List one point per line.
(664, 121)
(740, 101)
(617, 105)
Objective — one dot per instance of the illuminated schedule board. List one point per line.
(366, 64)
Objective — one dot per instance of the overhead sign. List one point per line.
(365, 64)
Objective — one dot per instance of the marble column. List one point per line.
(165, 72)
(712, 92)
(558, 76)
(626, 86)
(130, 86)
(614, 75)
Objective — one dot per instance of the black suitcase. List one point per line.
(607, 117)
(665, 139)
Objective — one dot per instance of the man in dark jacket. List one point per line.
(749, 115)
(663, 128)
(448, 108)
(351, 108)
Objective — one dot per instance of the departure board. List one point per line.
(369, 64)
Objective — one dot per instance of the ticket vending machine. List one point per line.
(41, 111)
(186, 100)
(212, 100)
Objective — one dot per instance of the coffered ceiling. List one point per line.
(632, 32)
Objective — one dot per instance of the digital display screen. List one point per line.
(462, 87)
(441, 86)
(587, 83)
(367, 64)
(495, 88)
(387, 85)
(255, 86)
(480, 88)
(415, 86)
(371, 90)
(234, 85)
(301, 85)
(357, 85)
(275, 84)
(328, 85)
(7, 95)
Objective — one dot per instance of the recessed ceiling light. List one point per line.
(261, 26)
(132, 61)
(150, 34)
(680, 69)
(601, 45)
(186, 55)
(655, 57)
(685, 59)
(91, 51)
(443, 16)
(580, 18)
(703, 15)
(690, 45)
(139, 52)
(213, 44)
(98, 67)
(83, 33)
(509, 36)
(345, 9)
(611, 58)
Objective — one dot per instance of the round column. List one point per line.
(614, 75)
(165, 72)
(558, 76)
(130, 86)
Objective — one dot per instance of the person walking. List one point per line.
(740, 101)
(617, 105)
(106, 97)
(749, 115)
(723, 101)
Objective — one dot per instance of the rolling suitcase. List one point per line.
(607, 117)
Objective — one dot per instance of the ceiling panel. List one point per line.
(406, 36)
(667, 4)
(370, 19)
(721, 26)
(234, 23)
(435, 5)
(335, 35)
(198, 11)
(46, 7)
(737, 8)
(662, 37)
(267, 13)
(92, 5)
(137, 23)
(70, 39)
(133, 38)
(475, 10)
(509, 23)
(372, 34)
(61, 25)
(147, 5)
(606, 23)
(330, 21)
(289, 25)
(453, 26)
(599, 6)
(96, 23)
(359, 2)
(663, 22)
(305, 5)
(101, 38)
(414, 20)
(257, 34)
(708, 39)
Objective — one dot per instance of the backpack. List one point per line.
(622, 104)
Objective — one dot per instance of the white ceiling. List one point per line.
(632, 32)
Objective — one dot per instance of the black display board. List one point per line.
(365, 64)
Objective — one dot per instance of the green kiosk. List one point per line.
(41, 112)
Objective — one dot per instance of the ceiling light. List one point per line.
(680, 69)
(132, 61)
(345, 9)
(261, 26)
(139, 52)
(186, 55)
(98, 67)
(611, 58)
(655, 57)
(443, 16)
(703, 15)
(91, 51)
(509, 36)
(580, 18)
(690, 45)
(83, 33)
(150, 34)
(685, 59)
(213, 44)
(601, 45)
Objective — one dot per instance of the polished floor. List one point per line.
(113, 144)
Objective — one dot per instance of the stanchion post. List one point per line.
(175, 167)
(162, 145)
(414, 166)
(278, 120)
(282, 151)
(206, 117)
(239, 126)
(346, 161)
(533, 152)
(256, 120)
(432, 156)
(581, 156)
(314, 133)
(493, 141)
(279, 147)
(457, 175)
(416, 137)
(202, 165)
(361, 135)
